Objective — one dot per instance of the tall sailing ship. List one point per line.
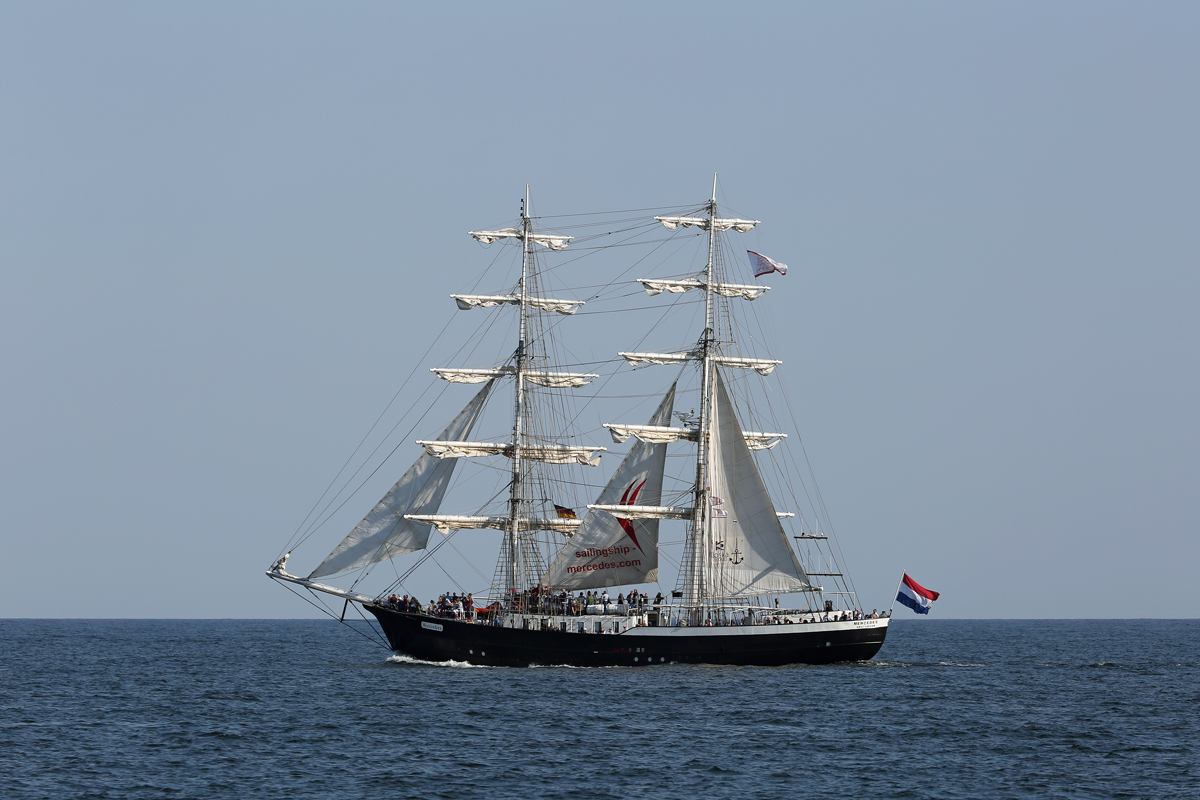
(754, 583)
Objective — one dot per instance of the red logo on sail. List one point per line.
(629, 498)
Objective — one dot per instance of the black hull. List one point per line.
(434, 639)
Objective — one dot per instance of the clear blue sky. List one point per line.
(224, 228)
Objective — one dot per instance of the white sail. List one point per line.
(445, 523)
(658, 358)
(643, 512)
(456, 375)
(468, 301)
(487, 237)
(586, 455)
(659, 285)
(560, 380)
(718, 224)
(549, 240)
(763, 366)
(746, 291)
(749, 553)
(755, 440)
(384, 533)
(654, 434)
(760, 440)
(607, 551)
(549, 380)
(557, 306)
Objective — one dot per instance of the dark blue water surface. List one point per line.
(294, 709)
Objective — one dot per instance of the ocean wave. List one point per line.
(913, 664)
(409, 660)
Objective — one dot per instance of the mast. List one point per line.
(695, 591)
(517, 486)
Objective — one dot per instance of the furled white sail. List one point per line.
(384, 533)
(763, 366)
(550, 453)
(560, 380)
(755, 440)
(544, 239)
(654, 434)
(746, 291)
(659, 285)
(550, 380)
(550, 241)
(468, 301)
(749, 552)
(455, 375)
(718, 224)
(658, 358)
(488, 237)
(607, 551)
(643, 512)
(445, 523)
(761, 440)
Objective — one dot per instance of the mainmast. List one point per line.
(695, 589)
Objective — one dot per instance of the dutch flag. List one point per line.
(915, 596)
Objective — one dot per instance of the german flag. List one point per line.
(564, 512)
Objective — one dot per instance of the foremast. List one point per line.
(520, 565)
(516, 496)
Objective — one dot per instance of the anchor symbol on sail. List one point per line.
(736, 557)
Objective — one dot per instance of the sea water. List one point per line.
(297, 709)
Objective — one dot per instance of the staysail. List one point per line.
(749, 551)
(385, 533)
(610, 551)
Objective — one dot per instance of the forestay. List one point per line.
(385, 533)
(749, 553)
(607, 551)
